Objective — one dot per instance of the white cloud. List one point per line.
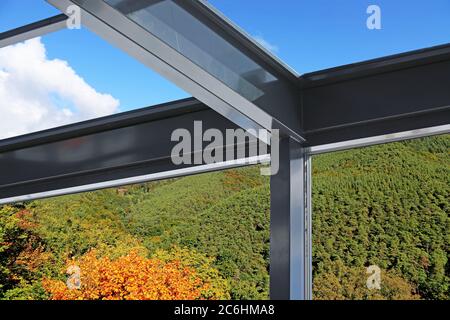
(266, 44)
(37, 93)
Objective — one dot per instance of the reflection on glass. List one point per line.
(171, 23)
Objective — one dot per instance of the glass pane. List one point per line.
(207, 235)
(381, 221)
(173, 24)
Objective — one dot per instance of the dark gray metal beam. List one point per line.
(33, 30)
(290, 224)
(393, 94)
(127, 145)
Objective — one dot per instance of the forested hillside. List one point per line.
(207, 236)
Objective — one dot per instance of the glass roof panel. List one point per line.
(201, 51)
(174, 25)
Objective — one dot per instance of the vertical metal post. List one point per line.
(290, 239)
(308, 224)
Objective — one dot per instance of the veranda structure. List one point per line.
(235, 83)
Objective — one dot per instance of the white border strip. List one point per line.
(264, 159)
(388, 138)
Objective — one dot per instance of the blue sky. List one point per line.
(308, 35)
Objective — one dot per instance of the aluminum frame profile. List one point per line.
(382, 139)
(176, 173)
(385, 96)
(122, 32)
(290, 224)
(103, 152)
(33, 30)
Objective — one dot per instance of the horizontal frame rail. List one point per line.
(404, 92)
(263, 159)
(134, 144)
(33, 30)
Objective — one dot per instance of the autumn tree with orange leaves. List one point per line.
(131, 277)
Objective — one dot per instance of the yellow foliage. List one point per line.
(130, 277)
(217, 288)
